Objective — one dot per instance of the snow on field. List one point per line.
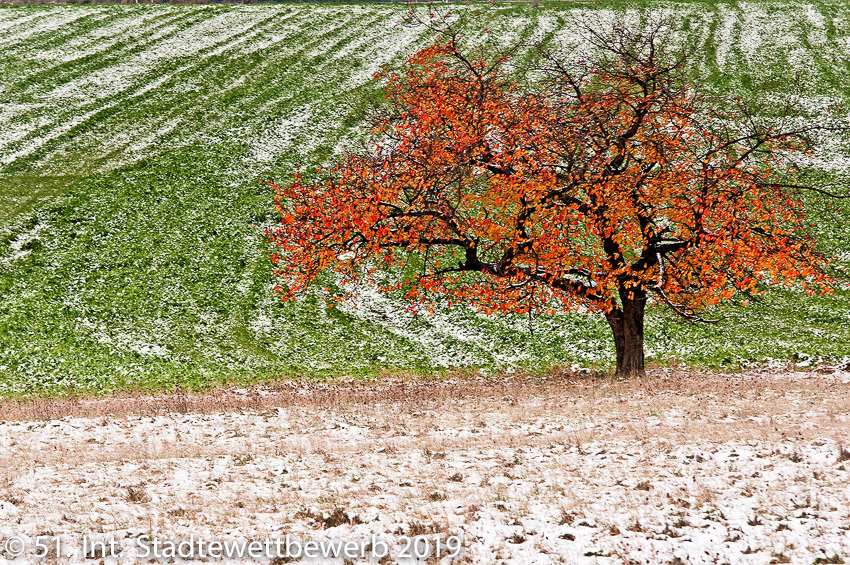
(101, 38)
(449, 344)
(18, 244)
(220, 30)
(124, 53)
(138, 57)
(276, 138)
(17, 29)
(725, 43)
(667, 469)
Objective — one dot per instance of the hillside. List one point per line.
(132, 139)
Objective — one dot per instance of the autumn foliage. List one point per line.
(596, 184)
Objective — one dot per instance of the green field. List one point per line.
(132, 139)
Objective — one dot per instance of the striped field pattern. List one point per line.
(132, 139)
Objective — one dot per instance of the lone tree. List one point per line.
(594, 184)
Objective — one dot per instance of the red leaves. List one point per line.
(510, 201)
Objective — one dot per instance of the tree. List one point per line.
(599, 183)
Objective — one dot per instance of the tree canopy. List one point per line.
(596, 184)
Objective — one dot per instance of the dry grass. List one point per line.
(401, 415)
(660, 389)
(562, 452)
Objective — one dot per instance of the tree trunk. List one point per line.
(627, 325)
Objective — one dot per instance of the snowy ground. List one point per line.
(674, 468)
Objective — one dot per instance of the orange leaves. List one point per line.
(514, 200)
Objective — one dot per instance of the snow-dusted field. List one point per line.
(674, 468)
(132, 138)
